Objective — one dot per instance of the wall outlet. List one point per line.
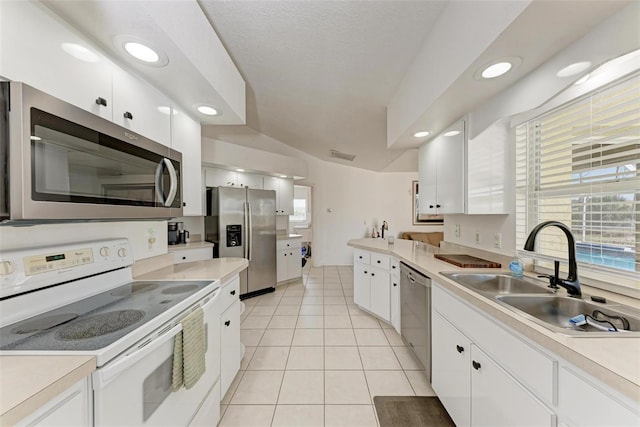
(477, 237)
(497, 240)
(457, 230)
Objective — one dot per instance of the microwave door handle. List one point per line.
(111, 371)
(250, 231)
(173, 189)
(159, 184)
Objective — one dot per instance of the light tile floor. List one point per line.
(313, 358)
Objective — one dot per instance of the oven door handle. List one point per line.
(111, 371)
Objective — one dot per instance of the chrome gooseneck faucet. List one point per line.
(571, 283)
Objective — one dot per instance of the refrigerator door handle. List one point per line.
(246, 232)
(250, 230)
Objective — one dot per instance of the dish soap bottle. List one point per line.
(516, 266)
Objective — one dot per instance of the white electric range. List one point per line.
(80, 299)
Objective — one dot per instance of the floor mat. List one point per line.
(406, 411)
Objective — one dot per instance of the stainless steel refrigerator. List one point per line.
(242, 223)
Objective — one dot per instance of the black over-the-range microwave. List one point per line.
(61, 163)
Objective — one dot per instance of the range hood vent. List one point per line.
(338, 155)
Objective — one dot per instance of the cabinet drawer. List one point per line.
(288, 244)
(189, 255)
(395, 267)
(363, 257)
(381, 261)
(532, 367)
(230, 292)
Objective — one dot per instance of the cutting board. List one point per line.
(467, 261)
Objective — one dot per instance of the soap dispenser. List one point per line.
(516, 266)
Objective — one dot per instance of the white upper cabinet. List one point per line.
(488, 167)
(284, 193)
(186, 138)
(215, 177)
(32, 52)
(249, 180)
(135, 107)
(441, 170)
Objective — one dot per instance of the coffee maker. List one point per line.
(176, 231)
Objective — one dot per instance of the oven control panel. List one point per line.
(57, 261)
(28, 269)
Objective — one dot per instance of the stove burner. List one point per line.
(99, 324)
(179, 289)
(43, 323)
(136, 288)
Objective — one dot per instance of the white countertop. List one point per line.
(211, 269)
(288, 236)
(28, 382)
(615, 361)
(190, 245)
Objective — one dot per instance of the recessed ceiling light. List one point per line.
(141, 50)
(239, 170)
(497, 68)
(208, 111)
(421, 134)
(582, 79)
(452, 133)
(574, 69)
(80, 52)
(283, 176)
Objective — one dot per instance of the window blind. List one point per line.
(578, 164)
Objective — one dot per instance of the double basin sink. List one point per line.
(531, 299)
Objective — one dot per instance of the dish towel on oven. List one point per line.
(189, 351)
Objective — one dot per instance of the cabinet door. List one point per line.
(286, 196)
(361, 285)
(215, 177)
(229, 346)
(250, 180)
(380, 297)
(135, 107)
(294, 263)
(273, 183)
(282, 265)
(498, 400)
(186, 138)
(395, 302)
(451, 369)
(427, 176)
(32, 53)
(72, 407)
(582, 403)
(450, 174)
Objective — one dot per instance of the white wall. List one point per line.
(148, 238)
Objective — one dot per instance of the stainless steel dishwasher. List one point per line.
(415, 314)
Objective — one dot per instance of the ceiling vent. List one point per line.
(338, 155)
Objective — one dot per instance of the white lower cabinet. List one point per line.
(372, 283)
(288, 260)
(497, 399)
(581, 402)
(395, 294)
(70, 408)
(451, 372)
(229, 345)
(485, 374)
(474, 387)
